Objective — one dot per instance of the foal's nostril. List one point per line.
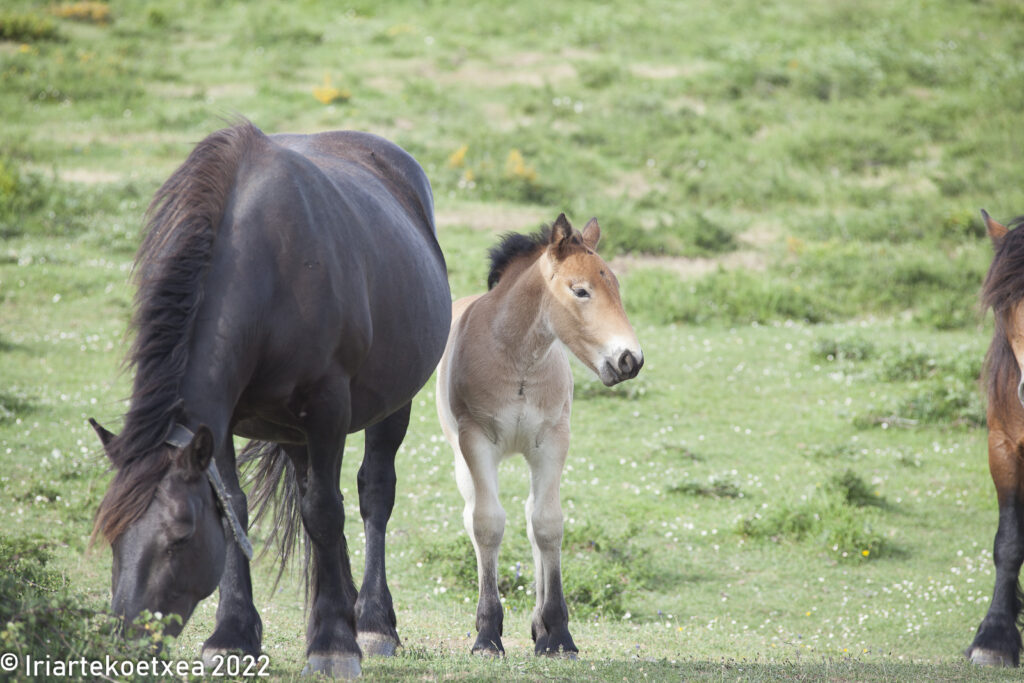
(628, 364)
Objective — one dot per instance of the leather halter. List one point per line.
(180, 437)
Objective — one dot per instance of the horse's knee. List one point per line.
(1008, 548)
(488, 525)
(546, 527)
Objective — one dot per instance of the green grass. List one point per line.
(790, 191)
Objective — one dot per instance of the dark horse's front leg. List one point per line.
(998, 641)
(331, 646)
(238, 628)
(375, 613)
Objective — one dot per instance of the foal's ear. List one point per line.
(195, 457)
(561, 230)
(106, 436)
(592, 234)
(996, 231)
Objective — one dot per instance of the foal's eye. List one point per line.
(581, 293)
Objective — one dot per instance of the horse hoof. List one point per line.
(377, 645)
(333, 666)
(488, 652)
(569, 655)
(983, 657)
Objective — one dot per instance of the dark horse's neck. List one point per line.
(170, 271)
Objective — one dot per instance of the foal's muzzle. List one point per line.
(626, 366)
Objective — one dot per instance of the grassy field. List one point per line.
(795, 487)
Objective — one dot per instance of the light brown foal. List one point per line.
(504, 386)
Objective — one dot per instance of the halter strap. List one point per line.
(180, 437)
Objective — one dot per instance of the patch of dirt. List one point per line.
(689, 268)
(508, 72)
(634, 184)
(88, 176)
(492, 217)
(659, 72)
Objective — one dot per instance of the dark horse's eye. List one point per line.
(177, 544)
(580, 293)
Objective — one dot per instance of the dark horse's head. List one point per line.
(161, 516)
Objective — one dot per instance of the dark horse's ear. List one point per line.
(592, 234)
(195, 457)
(106, 436)
(561, 230)
(996, 231)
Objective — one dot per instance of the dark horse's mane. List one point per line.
(514, 245)
(181, 224)
(1004, 286)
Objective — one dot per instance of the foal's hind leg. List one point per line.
(375, 613)
(550, 628)
(476, 472)
(239, 628)
(998, 641)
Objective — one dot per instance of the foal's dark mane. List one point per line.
(514, 245)
(182, 222)
(1004, 286)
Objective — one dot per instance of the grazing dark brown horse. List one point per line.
(504, 386)
(998, 641)
(290, 290)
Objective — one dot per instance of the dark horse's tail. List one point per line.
(275, 495)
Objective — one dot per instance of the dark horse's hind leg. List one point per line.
(239, 628)
(331, 632)
(375, 613)
(998, 641)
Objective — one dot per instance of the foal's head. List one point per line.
(586, 310)
(161, 518)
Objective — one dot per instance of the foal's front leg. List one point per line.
(544, 526)
(239, 628)
(476, 472)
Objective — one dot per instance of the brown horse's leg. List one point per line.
(544, 525)
(998, 641)
(239, 628)
(476, 472)
(375, 613)
(331, 646)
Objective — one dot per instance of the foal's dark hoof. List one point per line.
(570, 655)
(333, 665)
(983, 657)
(377, 644)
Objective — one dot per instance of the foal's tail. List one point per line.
(275, 495)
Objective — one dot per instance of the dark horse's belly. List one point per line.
(263, 430)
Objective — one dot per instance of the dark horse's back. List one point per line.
(327, 263)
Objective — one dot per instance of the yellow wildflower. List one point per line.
(457, 159)
(327, 93)
(515, 167)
